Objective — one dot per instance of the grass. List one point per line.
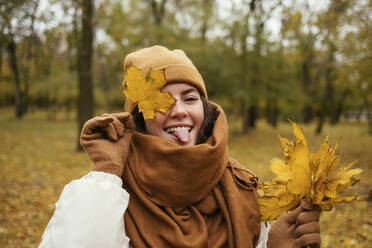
(38, 157)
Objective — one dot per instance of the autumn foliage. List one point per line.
(305, 175)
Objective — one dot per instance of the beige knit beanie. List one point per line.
(178, 68)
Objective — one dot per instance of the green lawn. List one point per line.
(37, 158)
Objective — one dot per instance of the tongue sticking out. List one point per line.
(182, 135)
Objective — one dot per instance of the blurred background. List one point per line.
(263, 61)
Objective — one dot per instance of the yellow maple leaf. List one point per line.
(272, 207)
(302, 174)
(145, 91)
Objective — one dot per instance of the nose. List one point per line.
(178, 110)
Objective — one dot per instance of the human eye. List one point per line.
(191, 98)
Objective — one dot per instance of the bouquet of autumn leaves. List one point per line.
(305, 175)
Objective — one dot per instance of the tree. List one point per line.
(85, 52)
(300, 30)
(158, 13)
(11, 49)
(336, 90)
(261, 16)
(252, 26)
(10, 11)
(357, 50)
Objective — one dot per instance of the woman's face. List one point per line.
(181, 124)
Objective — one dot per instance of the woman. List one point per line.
(185, 190)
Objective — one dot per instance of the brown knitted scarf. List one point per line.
(189, 196)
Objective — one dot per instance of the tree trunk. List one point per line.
(336, 114)
(256, 80)
(306, 79)
(307, 113)
(1, 57)
(85, 51)
(272, 113)
(207, 9)
(369, 118)
(328, 99)
(243, 75)
(158, 11)
(245, 116)
(319, 127)
(104, 84)
(11, 49)
(253, 116)
(34, 43)
(307, 109)
(73, 41)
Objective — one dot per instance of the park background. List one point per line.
(61, 63)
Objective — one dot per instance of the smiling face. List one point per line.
(181, 124)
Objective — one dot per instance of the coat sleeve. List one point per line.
(89, 213)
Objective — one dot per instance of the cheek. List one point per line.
(149, 125)
(155, 126)
(200, 118)
(199, 115)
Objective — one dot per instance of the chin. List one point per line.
(191, 143)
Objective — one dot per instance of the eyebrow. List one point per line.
(189, 90)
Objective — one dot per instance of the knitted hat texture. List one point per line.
(178, 68)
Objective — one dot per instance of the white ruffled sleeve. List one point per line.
(264, 236)
(89, 213)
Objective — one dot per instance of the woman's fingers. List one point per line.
(122, 116)
(111, 132)
(118, 126)
(111, 124)
(308, 228)
(308, 239)
(307, 216)
(115, 129)
(98, 122)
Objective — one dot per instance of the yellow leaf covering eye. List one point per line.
(302, 174)
(145, 91)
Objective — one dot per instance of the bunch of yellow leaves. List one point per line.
(146, 91)
(305, 175)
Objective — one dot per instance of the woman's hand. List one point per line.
(106, 139)
(296, 229)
